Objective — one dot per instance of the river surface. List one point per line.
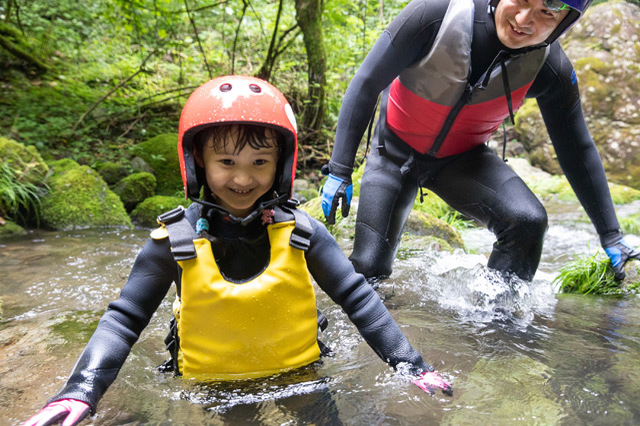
(515, 353)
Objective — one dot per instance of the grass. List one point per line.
(19, 200)
(588, 275)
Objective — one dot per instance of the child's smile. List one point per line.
(238, 179)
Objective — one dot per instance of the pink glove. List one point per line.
(69, 411)
(429, 381)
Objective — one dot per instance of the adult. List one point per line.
(450, 72)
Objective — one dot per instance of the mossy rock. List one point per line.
(80, 198)
(424, 224)
(161, 154)
(135, 188)
(344, 227)
(146, 212)
(11, 229)
(25, 160)
(111, 172)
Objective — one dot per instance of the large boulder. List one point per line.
(161, 154)
(604, 47)
(80, 198)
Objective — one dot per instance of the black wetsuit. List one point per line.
(477, 182)
(241, 253)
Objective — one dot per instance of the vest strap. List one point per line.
(181, 234)
(301, 235)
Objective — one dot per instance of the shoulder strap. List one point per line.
(301, 235)
(181, 233)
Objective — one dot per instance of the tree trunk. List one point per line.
(309, 18)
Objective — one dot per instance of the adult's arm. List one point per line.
(556, 90)
(335, 275)
(407, 39)
(119, 328)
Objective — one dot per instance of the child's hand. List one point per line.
(69, 411)
(429, 381)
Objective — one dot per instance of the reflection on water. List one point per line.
(515, 352)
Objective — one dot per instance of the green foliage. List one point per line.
(630, 224)
(22, 182)
(589, 275)
(19, 199)
(435, 206)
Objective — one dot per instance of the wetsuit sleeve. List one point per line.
(556, 90)
(335, 275)
(408, 38)
(119, 328)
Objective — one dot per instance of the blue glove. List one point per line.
(620, 253)
(334, 190)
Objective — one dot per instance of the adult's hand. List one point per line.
(336, 191)
(620, 253)
(69, 411)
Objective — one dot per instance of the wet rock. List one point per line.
(604, 47)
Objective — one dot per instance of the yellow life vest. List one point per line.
(251, 329)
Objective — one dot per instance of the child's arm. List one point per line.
(96, 369)
(335, 275)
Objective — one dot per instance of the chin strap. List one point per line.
(244, 221)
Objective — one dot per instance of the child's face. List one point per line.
(238, 180)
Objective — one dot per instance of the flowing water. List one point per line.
(515, 353)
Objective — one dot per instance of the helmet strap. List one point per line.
(244, 221)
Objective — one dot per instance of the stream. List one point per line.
(515, 353)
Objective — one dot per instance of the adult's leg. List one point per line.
(387, 193)
(480, 185)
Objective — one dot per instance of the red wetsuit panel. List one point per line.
(418, 121)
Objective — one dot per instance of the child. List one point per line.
(240, 256)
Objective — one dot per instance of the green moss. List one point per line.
(623, 194)
(134, 188)
(424, 224)
(314, 208)
(11, 229)
(25, 160)
(76, 327)
(79, 198)
(146, 212)
(111, 172)
(591, 74)
(161, 154)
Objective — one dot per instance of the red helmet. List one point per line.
(236, 99)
